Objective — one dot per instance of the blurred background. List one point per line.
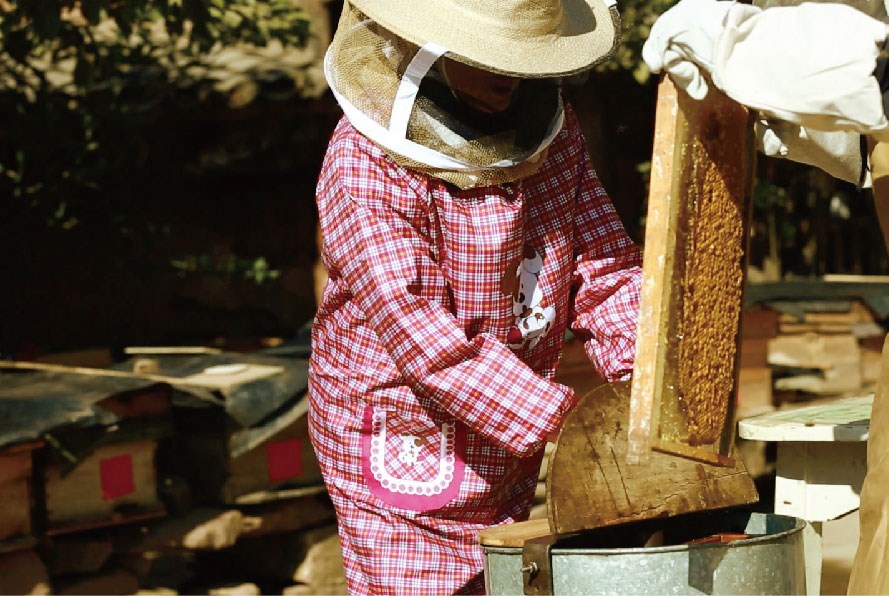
(158, 161)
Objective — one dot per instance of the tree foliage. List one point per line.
(637, 17)
(81, 76)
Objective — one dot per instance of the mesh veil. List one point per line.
(391, 92)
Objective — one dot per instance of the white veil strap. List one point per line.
(406, 95)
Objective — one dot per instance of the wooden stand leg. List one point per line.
(812, 538)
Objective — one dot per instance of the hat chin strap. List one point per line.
(394, 137)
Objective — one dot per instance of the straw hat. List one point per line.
(382, 68)
(522, 38)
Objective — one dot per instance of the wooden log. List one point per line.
(112, 581)
(694, 268)
(212, 528)
(590, 484)
(311, 556)
(76, 554)
(290, 515)
(201, 528)
(23, 572)
(323, 563)
(234, 589)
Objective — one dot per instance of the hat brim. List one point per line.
(590, 34)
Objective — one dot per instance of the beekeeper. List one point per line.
(464, 232)
(817, 75)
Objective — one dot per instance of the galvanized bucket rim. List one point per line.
(798, 526)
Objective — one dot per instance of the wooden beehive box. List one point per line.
(240, 424)
(228, 464)
(100, 431)
(285, 458)
(16, 495)
(116, 484)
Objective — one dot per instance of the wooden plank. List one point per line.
(755, 392)
(514, 535)
(223, 377)
(840, 420)
(590, 484)
(660, 249)
(812, 350)
(848, 278)
(694, 269)
(167, 350)
(16, 491)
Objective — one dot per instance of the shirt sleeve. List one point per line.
(373, 223)
(786, 62)
(607, 282)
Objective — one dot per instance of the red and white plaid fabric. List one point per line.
(427, 425)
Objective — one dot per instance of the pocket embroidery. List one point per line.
(409, 450)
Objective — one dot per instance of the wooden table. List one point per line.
(822, 460)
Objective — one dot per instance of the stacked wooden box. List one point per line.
(798, 350)
(17, 496)
(827, 349)
(95, 500)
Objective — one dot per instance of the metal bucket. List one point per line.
(769, 561)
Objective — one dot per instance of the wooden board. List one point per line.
(590, 484)
(840, 420)
(222, 378)
(694, 270)
(514, 535)
(16, 491)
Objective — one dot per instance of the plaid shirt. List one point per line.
(434, 347)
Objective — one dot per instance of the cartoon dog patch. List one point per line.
(533, 320)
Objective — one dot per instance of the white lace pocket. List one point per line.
(419, 470)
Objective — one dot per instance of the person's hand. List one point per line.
(682, 40)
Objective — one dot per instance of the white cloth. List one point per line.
(682, 40)
(836, 152)
(872, 8)
(811, 64)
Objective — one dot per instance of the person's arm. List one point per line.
(375, 237)
(608, 278)
(879, 166)
(811, 64)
